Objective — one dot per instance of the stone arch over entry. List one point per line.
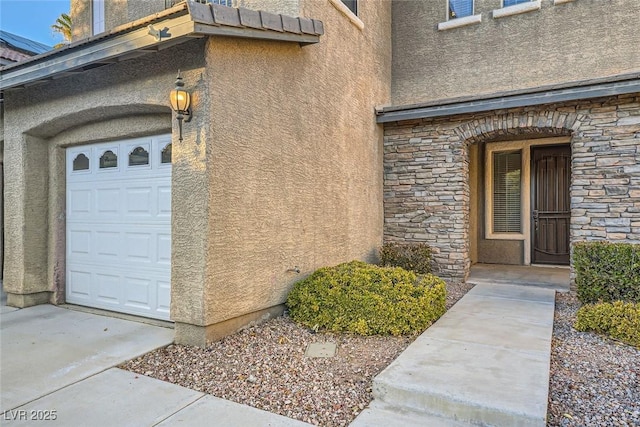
(519, 131)
(532, 124)
(428, 169)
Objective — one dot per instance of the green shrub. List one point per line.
(367, 300)
(607, 271)
(619, 320)
(410, 256)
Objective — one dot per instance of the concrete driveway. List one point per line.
(58, 368)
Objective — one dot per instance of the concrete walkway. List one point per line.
(485, 362)
(59, 364)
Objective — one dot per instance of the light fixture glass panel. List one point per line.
(180, 100)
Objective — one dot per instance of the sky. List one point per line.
(32, 19)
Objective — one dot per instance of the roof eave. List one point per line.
(176, 25)
(535, 97)
(212, 30)
(102, 52)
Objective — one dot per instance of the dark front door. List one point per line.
(550, 205)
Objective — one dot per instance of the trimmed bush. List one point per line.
(619, 320)
(410, 256)
(607, 272)
(367, 300)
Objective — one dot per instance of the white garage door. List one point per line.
(119, 226)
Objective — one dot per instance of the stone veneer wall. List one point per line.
(426, 173)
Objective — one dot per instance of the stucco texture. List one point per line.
(573, 41)
(117, 12)
(280, 167)
(113, 102)
(294, 158)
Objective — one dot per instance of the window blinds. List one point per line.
(507, 210)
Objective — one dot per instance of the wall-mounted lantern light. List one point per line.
(180, 102)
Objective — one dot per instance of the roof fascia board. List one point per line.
(105, 51)
(515, 101)
(213, 30)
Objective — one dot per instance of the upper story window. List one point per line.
(506, 3)
(460, 8)
(350, 9)
(516, 7)
(97, 23)
(352, 5)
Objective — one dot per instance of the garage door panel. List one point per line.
(108, 244)
(139, 292)
(139, 201)
(79, 202)
(108, 289)
(78, 284)
(119, 227)
(164, 296)
(138, 247)
(164, 201)
(163, 244)
(79, 242)
(107, 201)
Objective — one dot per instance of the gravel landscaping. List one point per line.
(594, 381)
(264, 366)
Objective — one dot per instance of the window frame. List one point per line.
(473, 11)
(98, 25)
(355, 5)
(451, 23)
(490, 234)
(515, 4)
(354, 18)
(516, 9)
(508, 195)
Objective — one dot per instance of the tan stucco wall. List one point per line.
(285, 7)
(560, 43)
(281, 166)
(140, 9)
(109, 103)
(117, 12)
(80, 13)
(295, 160)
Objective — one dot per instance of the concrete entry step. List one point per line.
(486, 361)
(552, 277)
(378, 415)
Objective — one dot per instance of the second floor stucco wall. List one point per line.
(120, 12)
(559, 42)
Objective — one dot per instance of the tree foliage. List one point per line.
(63, 26)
